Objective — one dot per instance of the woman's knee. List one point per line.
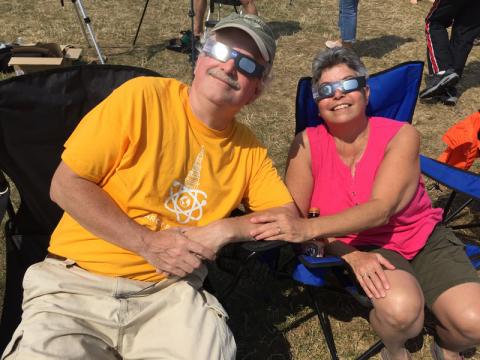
(402, 311)
(467, 324)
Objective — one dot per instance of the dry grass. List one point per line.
(268, 324)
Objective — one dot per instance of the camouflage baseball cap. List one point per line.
(254, 26)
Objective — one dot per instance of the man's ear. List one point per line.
(257, 92)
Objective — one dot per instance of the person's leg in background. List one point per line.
(348, 21)
(184, 42)
(465, 29)
(199, 8)
(347, 24)
(249, 7)
(438, 20)
(439, 54)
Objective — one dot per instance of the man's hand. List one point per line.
(368, 268)
(171, 252)
(213, 236)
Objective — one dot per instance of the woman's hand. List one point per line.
(369, 270)
(280, 226)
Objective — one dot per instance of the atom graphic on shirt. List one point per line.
(186, 203)
(185, 200)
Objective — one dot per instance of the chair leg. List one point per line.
(457, 211)
(325, 324)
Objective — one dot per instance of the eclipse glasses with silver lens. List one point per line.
(327, 90)
(243, 63)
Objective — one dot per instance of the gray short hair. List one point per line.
(331, 57)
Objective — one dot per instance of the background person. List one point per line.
(446, 57)
(184, 43)
(377, 218)
(347, 24)
(200, 8)
(146, 181)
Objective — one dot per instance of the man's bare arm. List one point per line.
(168, 251)
(234, 229)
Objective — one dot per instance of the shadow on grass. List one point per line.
(469, 216)
(149, 51)
(284, 28)
(470, 78)
(265, 307)
(380, 46)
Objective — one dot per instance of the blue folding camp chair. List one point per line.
(393, 94)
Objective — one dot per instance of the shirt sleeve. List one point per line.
(265, 189)
(100, 141)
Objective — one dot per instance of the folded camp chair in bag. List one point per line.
(38, 112)
(393, 94)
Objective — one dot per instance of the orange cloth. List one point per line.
(462, 142)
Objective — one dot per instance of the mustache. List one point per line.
(220, 75)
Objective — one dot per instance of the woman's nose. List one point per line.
(338, 93)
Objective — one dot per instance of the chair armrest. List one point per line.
(462, 181)
(261, 246)
(321, 262)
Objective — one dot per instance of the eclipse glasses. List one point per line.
(243, 63)
(327, 90)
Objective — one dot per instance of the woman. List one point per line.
(363, 174)
(347, 23)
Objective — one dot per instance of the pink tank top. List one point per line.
(336, 190)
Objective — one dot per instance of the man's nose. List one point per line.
(229, 66)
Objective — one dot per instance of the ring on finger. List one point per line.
(279, 231)
(365, 275)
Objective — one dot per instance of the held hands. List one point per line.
(171, 252)
(369, 270)
(280, 225)
(214, 236)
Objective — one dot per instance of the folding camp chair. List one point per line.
(38, 112)
(393, 94)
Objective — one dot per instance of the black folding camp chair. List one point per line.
(38, 112)
(393, 94)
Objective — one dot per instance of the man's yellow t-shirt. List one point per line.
(163, 167)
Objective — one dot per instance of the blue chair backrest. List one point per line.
(393, 94)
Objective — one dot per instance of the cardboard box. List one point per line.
(62, 56)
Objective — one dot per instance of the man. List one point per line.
(147, 181)
(447, 57)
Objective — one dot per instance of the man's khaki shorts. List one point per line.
(70, 313)
(439, 266)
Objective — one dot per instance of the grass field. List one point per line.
(270, 318)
